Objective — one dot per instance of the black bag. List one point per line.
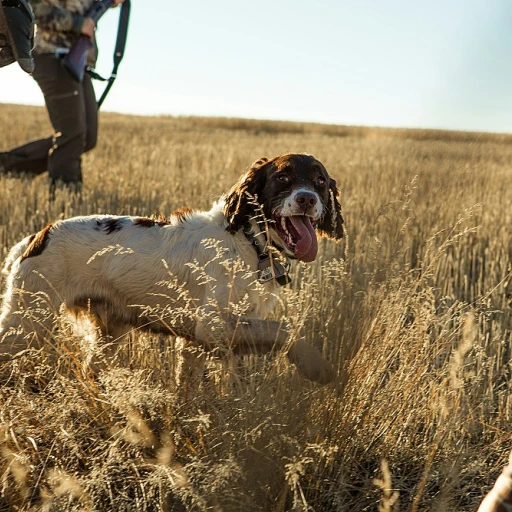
(16, 34)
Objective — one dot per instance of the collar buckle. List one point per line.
(271, 268)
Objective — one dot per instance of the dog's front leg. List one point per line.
(310, 362)
(249, 335)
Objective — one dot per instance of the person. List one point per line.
(71, 105)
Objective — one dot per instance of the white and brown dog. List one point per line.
(112, 268)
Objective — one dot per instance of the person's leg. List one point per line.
(64, 99)
(31, 158)
(66, 104)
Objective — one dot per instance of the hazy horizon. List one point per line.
(435, 65)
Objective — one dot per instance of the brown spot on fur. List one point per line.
(154, 220)
(160, 219)
(182, 213)
(145, 222)
(112, 225)
(38, 243)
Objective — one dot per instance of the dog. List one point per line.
(119, 270)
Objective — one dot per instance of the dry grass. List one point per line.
(414, 309)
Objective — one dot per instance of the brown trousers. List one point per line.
(74, 116)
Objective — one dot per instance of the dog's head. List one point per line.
(297, 197)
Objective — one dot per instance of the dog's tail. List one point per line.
(15, 253)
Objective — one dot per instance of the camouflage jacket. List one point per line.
(59, 23)
(16, 34)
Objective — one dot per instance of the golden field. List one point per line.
(414, 309)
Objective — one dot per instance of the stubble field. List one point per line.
(414, 309)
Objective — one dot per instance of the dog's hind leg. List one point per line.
(29, 305)
(26, 320)
(102, 330)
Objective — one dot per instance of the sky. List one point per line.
(415, 64)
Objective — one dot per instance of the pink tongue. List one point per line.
(307, 245)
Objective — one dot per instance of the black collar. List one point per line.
(269, 267)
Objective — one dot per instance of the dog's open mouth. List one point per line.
(298, 234)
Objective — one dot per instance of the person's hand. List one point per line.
(89, 27)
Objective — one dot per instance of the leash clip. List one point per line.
(269, 269)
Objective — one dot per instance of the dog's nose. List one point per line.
(307, 199)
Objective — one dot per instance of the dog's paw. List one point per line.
(310, 363)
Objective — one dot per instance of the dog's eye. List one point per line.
(283, 178)
(321, 181)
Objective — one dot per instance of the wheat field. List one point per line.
(414, 309)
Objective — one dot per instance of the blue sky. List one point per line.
(436, 64)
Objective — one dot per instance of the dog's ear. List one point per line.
(240, 200)
(332, 222)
